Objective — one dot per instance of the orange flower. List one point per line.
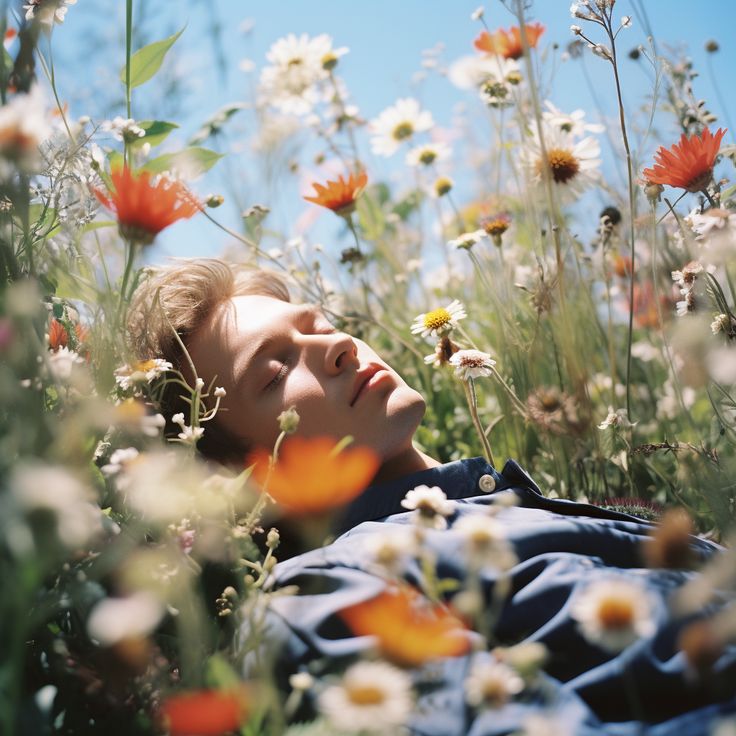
(340, 196)
(410, 630)
(310, 477)
(59, 337)
(205, 712)
(143, 208)
(508, 43)
(689, 163)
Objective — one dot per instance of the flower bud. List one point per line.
(214, 200)
(289, 420)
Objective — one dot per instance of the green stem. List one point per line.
(473, 406)
(129, 258)
(128, 49)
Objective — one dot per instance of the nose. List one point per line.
(341, 353)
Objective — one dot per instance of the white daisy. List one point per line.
(492, 684)
(119, 460)
(470, 72)
(392, 550)
(431, 505)
(467, 240)
(572, 123)
(113, 620)
(617, 418)
(63, 363)
(142, 371)
(23, 126)
(373, 697)
(439, 320)
(485, 542)
(298, 64)
(716, 232)
(614, 613)
(472, 364)
(397, 124)
(572, 164)
(428, 154)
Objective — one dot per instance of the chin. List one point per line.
(404, 413)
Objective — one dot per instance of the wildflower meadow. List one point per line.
(559, 283)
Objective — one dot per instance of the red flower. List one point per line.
(409, 629)
(340, 196)
(689, 163)
(144, 208)
(508, 43)
(58, 336)
(310, 477)
(205, 712)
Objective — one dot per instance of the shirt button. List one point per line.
(487, 484)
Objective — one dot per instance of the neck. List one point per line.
(408, 461)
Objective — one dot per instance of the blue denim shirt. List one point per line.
(561, 546)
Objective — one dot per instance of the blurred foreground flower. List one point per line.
(205, 712)
(687, 164)
(340, 196)
(508, 43)
(144, 207)
(47, 12)
(311, 477)
(614, 613)
(23, 126)
(492, 684)
(372, 697)
(409, 629)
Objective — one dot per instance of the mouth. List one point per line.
(364, 380)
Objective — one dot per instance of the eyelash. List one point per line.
(276, 380)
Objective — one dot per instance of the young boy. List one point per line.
(612, 666)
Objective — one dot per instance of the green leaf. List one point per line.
(155, 132)
(147, 61)
(214, 124)
(190, 162)
(220, 674)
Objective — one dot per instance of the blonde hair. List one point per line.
(175, 301)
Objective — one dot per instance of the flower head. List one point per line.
(309, 477)
(398, 124)
(372, 697)
(508, 43)
(431, 505)
(140, 371)
(409, 630)
(687, 164)
(428, 154)
(496, 226)
(467, 240)
(492, 684)
(438, 321)
(23, 126)
(205, 712)
(443, 351)
(340, 196)
(472, 364)
(485, 541)
(571, 164)
(145, 205)
(47, 12)
(614, 613)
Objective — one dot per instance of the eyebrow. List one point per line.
(264, 342)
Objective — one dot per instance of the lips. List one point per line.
(362, 378)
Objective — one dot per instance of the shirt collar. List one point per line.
(459, 479)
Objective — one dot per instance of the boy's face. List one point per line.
(270, 355)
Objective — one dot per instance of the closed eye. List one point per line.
(280, 375)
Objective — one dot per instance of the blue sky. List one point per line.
(386, 40)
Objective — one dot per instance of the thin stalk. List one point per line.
(472, 400)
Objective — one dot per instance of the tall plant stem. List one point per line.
(473, 406)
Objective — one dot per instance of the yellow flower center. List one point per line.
(442, 186)
(427, 156)
(563, 166)
(403, 130)
(365, 695)
(496, 227)
(437, 319)
(494, 691)
(143, 366)
(329, 61)
(296, 61)
(615, 614)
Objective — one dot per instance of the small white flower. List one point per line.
(220, 392)
(62, 363)
(617, 418)
(140, 372)
(478, 13)
(485, 541)
(23, 127)
(577, 30)
(428, 154)
(301, 681)
(118, 460)
(467, 240)
(199, 384)
(472, 364)
(373, 697)
(431, 505)
(722, 323)
(152, 424)
(397, 124)
(614, 613)
(122, 128)
(686, 305)
(492, 684)
(115, 619)
(392, 550)
(48, 12)
(190, 435)
(178, 419)
(626, 21)
(439, 320)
